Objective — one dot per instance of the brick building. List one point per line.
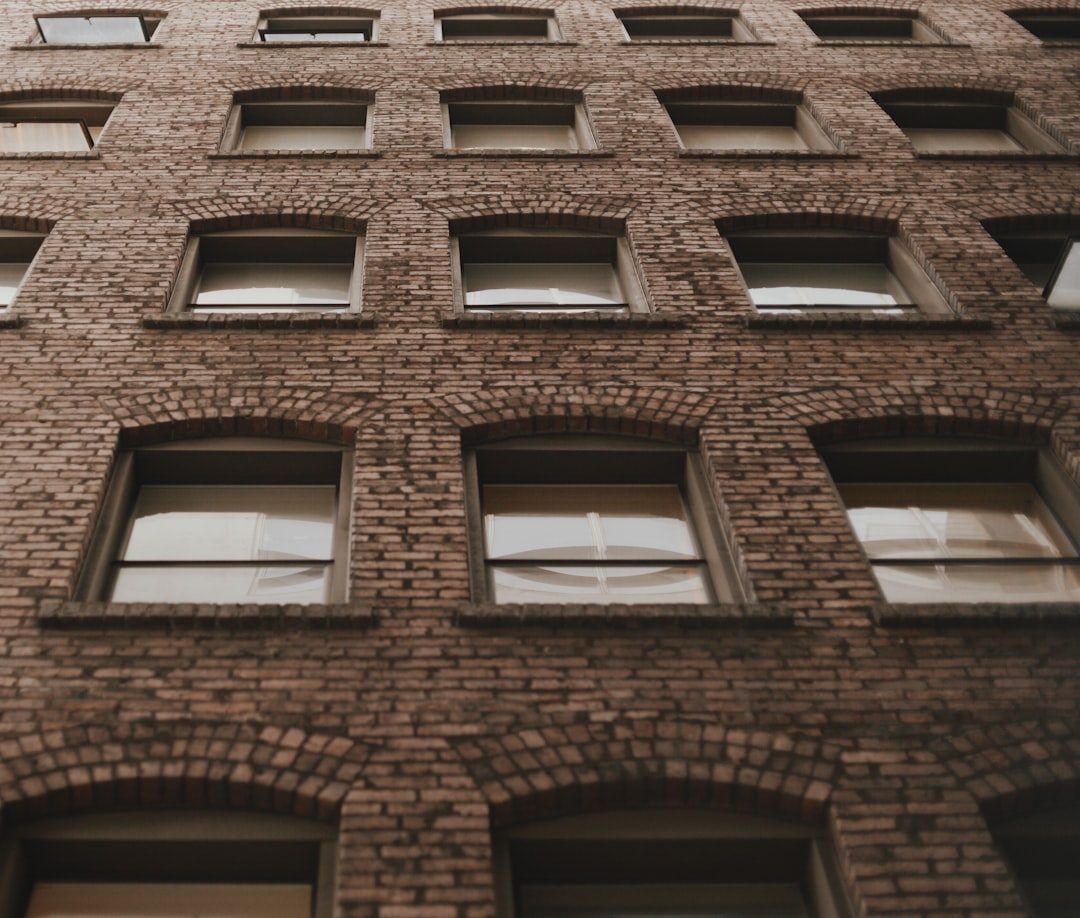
(438, 307)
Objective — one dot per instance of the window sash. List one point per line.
(830, 284)
(61, 135)
(93, 30)
(169, 900)
(494, 27)
(976, 140)
(253, 285)
(542, 284)
(1063, 286)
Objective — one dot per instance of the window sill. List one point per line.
(73, 46)
(961, 614)
(528, 154)
(1066, 321)
(547, 321)
(296, 154)
(61, 615)
(616, 615)
(10, 320)
(767, 154)
(279, 45)
(268, 321)
(859, 322)
(999, 155)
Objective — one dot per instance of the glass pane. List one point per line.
(263, 283)
(978, 583)
(662, 900)
(541, 283)
(303, 137)
(43, 137)
(571, 522)
(169, 900)
(740, 137)
(11, 275)
(92, 30)
(315, 36)
(1065, 294)
(944, 140)
(601, 584)
(514, 136)
(231, 523)
(823, 284)
(241, 583)
(954, 521)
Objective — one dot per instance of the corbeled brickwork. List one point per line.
(412, 711)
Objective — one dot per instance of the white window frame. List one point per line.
(620, 257)
(692, 858)
(92, 115)
(721, 114)
(568, 459)
(17, 247)
(201, 843)
(524, 26)
(248, 461)
(701, 25)
(185, 288)
(840, 247)
(329, 112)
(315, 24)
(512, 113)
(926, 115)
(148, 25)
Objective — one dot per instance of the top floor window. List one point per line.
(317, 28)
(479, 25)
(96, 29)
(1050, 24)
(679, 25)
(860, 25)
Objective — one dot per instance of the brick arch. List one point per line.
(885, 8)
(552, 210)
(66, 92)
(1015, 769)
(512, 90)
(735, 88)
(182, 414)
(320, 9)
(866, 217)
(553, 770)
(1024, 220)
(230, 212)
(916, 88)
(24, 223)
(267, 217)
(270, 92)
(671, 415)
(651, 8)
(530, 6)
(1043, 6)
(105, 8)
(187, 764)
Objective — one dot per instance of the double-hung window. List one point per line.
(961, 521)
(223, 521)
(52, 126)
(96, 29)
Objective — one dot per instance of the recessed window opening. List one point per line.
(17, 251)
(1050, 260)
(532, 26)
(285, 29)
(704, 26)
(1050, 24)
(524, 125)
(303, 126)
(51, 126)
(98, 29)
(890, 27)
(746, 126)
(1044, 852)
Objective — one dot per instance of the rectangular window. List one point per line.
(832, 272)
(1050, 24)
(96, 29)
(542, 272)
(256, 126)
(17, 251)
(269, 271)
(1050, 260)
(959, 522)
(496, 27)
(320, 29)
(746, 126)
(949, 127)
(516, 126)
(51, 127)
(579, 520)
(685, 27)
(859, 28)
(230, 521)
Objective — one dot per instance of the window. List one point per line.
(269, 270)
(534, 25)
(1044, 853)
(961, 520)
(17, 251)
(567, 519)
(1050, 260)
(968, 127)
(317, 28)
(522, 271)
(243, 520)
(832, 271)
(521, 125)
(127, 865)
(1050, 24)
(666, 862)
(890, 26)
(257, 126)
(705, 25)
(47, 126)
(746, 126)
(98, 29)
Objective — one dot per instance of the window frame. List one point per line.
(209, 461)
(684, 847)
(528, 460)
(123, 843)
(486, 26)
(839, 247)
(185, 288)
(148, 24)
(365, 24)
(1066, 20)
(928, 114)
(88, 113)
(721, 113)
(571, 113)
(304, 113)
(860, 27)
(924, 461)
(19, 243)
(703, 25)
(622, 260)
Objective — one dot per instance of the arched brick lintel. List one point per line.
(149, 765)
